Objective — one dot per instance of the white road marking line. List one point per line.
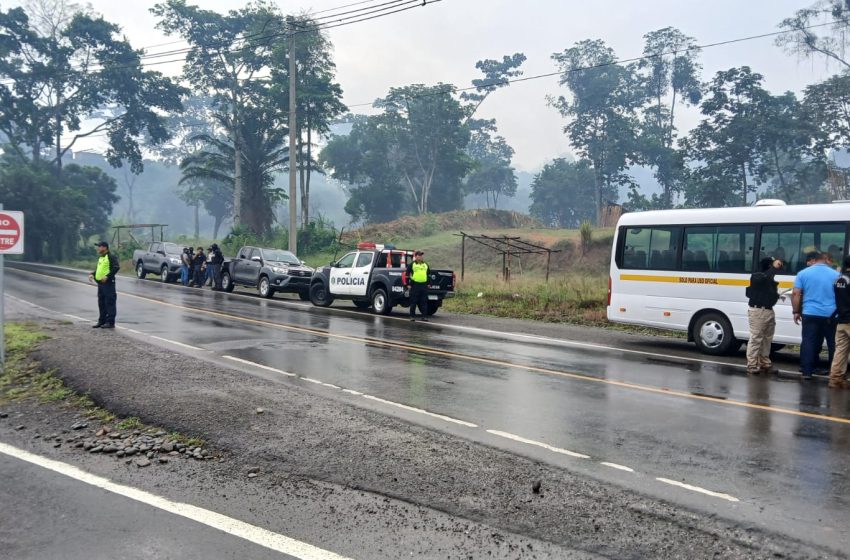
(616, 466)
(134, 331)
(698, 489)
(331, 385)
(352, 392)
(421, 411)
(261, 366)
(175, 342)
(74, 317)
(311, 380)
(257, 535)
(538, 444)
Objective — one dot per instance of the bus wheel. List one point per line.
(713, 335)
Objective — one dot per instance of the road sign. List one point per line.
(11, 233)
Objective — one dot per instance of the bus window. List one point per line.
(651, 248)
(719, 249)
(791, 243)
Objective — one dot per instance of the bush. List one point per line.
(586, 233)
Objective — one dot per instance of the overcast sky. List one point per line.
(442, 41)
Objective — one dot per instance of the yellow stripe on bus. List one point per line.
(694, 280)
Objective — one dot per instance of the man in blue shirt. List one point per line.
(813, 303)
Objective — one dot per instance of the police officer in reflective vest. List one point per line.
(104, 276)
(417, 280)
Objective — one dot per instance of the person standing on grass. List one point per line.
(838, 368)
(813, 304)
(104, 276)
(763, 295)
(417, 280)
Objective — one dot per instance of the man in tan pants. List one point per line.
(763, 295)
(838, 368)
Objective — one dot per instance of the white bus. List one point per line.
(687, 270)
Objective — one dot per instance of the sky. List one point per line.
(441, 42)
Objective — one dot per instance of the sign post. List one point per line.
(11, 243)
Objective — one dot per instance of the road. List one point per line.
(657, 418)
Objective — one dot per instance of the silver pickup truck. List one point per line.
(159, 258)
(268, 271)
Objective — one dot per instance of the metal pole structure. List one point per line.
(293, 160)
(462, 255)
(2, 314)
(548, 260)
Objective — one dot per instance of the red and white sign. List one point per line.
(11, 233)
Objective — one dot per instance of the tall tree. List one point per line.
(727, 147)
(827, 109)
(807, 36)
(497, 74)
(264, 152)
(602, 110)
(227, 53)
(318, 97)
(562, 194)
(62, 71)
(492, 175)
(671, 76)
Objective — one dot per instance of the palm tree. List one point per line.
(264, 152)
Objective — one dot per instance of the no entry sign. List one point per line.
(11, 233)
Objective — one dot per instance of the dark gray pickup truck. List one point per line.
(372, 276)
(268, 271)
(159, 258)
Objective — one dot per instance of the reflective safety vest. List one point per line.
(102, 268)
(420, 272)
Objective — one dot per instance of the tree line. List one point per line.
(66, 74)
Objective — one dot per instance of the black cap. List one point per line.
(418, 253)
(102, 244)
(765, 264)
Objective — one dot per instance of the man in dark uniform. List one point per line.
(762, 296)
(417, 280)
(198, 262)
(842, 334)
(104, 275)
(216, 260)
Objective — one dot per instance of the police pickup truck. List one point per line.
(267, 270)
(373, 276)
(159, 258)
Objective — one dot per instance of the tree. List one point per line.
(827, 109)
(804, 31)
(227, 54)
(264, 152)
(493, 175)
(671, 74)
(602, 110)
(61, 210)
(318, 99)
(727, 147)
(497, 74)
(563, 193)
(62, 71)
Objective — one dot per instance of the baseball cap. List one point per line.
(102, 244)
(419, 253)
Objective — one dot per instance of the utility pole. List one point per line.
(293, 160)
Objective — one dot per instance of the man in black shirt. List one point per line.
(763, 295)
(842, 331)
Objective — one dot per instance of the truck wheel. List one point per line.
(226, 282)
(140, 270)
(433, 306)
(361, 304)
(319, 295)
(304, 295)
(265, 288)
(163, 273)
(713, 335)
(380, 302)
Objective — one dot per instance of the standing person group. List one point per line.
(820, 302)
(201, 268)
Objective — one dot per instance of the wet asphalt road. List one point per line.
(778, 447)
(47, 516)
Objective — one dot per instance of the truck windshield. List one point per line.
(171, 248)
(277, 255)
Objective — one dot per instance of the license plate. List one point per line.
(433, 298)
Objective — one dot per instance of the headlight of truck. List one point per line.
(174, 261)
(280, 270)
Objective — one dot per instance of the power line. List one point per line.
(606, 64)
(410, 4)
